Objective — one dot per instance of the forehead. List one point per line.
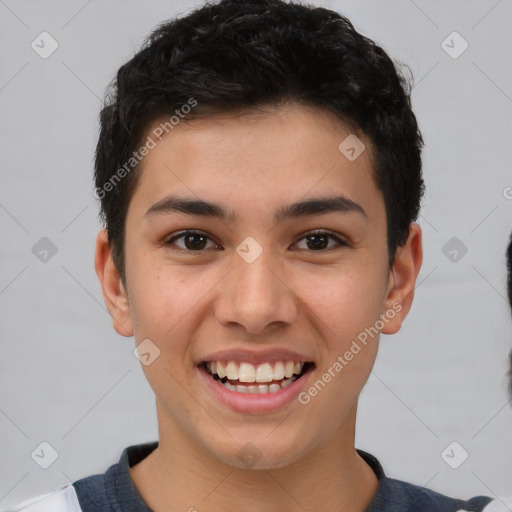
(267, 157)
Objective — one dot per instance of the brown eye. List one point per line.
(194, 242)
(191, 241)
(319, 241)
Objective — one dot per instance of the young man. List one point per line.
(259, 170)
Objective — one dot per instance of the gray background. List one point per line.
(68, 379)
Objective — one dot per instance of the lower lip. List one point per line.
(253, 402)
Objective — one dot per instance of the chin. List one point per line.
(256, 455)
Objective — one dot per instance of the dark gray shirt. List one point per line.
(114, 491)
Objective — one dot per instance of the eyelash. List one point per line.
(318, 232)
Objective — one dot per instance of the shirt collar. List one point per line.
(121, 488)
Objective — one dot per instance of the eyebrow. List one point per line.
(309, 207)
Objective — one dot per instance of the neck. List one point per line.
(179, 475)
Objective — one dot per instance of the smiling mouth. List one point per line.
(256, 379)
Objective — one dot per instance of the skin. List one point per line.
(293, 296)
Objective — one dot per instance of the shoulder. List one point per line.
(112, 490)
(499, 505)
(398, 496)
(403, 496)
(64, 499)
(87, 494)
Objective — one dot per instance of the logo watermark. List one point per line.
(343, 360)
(137, 156)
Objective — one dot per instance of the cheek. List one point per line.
(165, 300)
(165, 304)
(346, 301)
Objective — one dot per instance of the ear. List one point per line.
(402, 280)
(114, 293)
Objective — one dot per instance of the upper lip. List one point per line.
(256, 356)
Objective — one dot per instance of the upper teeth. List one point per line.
(247, 372)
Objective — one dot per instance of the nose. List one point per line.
(256, 297)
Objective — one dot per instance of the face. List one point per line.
(256, 257)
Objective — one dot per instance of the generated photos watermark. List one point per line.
(137, 156)
(355, 348)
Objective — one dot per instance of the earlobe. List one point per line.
(402, 280)
(114, 293)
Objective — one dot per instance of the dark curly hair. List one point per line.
(246, 55)
(509, 289)
(509, 270)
